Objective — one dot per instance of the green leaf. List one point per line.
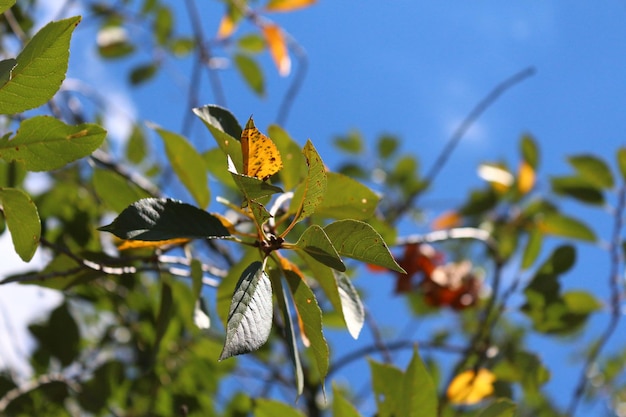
(312, 190)
(188, 165)
(60, 336)
(418, 396)
(251, 187)
(499, 408)
(166, 309)
(621, 162)
(153, 219)
(259, 212)
(341, 406)
(163, 25)
(114, 190)
(581, 302)
(346, 199)
(229, 282)
(326, 279)
(564, 226)
(577, 188)
(529, 151)
(387, 383)
(225, 129)
(315, 242)
(136, 147)
(593, 169)
(6, 5)
(44, 143)
(532, 249)
(351, 306)
(311, 316)
(6, 70)
(22, 219)
(251, 73)
(142, 73)
(182, 46)
(40, 69)
(358, 240)
(272, 408)
(294, 164)
(252, 43)
(250, 316)
(351, 143)
(387, 145)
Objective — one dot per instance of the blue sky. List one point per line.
(415, 69)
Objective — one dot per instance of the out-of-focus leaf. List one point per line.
(44, 143)
(166, 310)
(136, 146)
(251, 73)
(40, 68)
(341, 406)
(288, 5)
(529, 151)
(224, 128)
(188, 165)
(581, 302)
(564, 226)
(60, 336)
(446, 220)
(346, 199)
(311, 192)
(593, 169)
(470, 387)
(577, 188)
(227, 27)
(525, 178)
(163, 23)
(387, 386)
(387, 145)
(182, 46)
(142, 73)
(116, 191)
(164, 218)
(294, 163)
(358, 240)
(250, 316)
(532, 248)
(278, 48)
(419, 395)
(22, 219)
(315, 242)
(499, 408)
(217, 164)
(351, 143)
(272, 408)
(113, 42)
(479, 202)
(621, 162)
(252, 43)
(6, 5)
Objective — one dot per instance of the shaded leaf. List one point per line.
(529, 151)
(315, 242)
(358, 240)
(40, 69)
(252, 188)
(341, 406)
(250, 316)
(22, 219)
(532, 248)
(6, 70)
(164, 218)
(188, 165)
(564, 226)
(142, 73)
(166, 310)
(577, 188)
(499, 408)
(114, 190)
(311, 192)
(272, 408)
(251, 73)
(593, 169)
(44, 143)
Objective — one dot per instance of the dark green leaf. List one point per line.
(251, 73)
(315, 242)
(187, 164)
(40, 69)
(142, 73)
(387, 145)
(250, 316)
(529, 151)
(569, 227)
(220, 119)
(166, 310)
(182, 46)
(593, 169)
(358, 240)
(479, 202)
(347, 199)
(309, 312)
(22, 219)
(499, 408)
(153, 219)
(6, 70)
(577, 188)
(44, 143)
(621, 162)
(532, 249)
(116, 191)
(311, 192)
(60, 336)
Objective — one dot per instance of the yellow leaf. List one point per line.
(288, 5)
(226, 223)
(446, 220)
(226, 28)
(469, 388)
(525, 177)
(261, 158)
(278, 48)
(140, 244)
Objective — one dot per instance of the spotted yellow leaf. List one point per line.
(470, 387)
(261, 158)
(277, 44)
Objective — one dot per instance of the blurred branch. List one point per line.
(103, 159)
(614, 288)
(33, 385)
(296, 84)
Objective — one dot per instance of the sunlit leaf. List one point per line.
(252, 188)
(45, 143)
(22, 219)
(593, 169)
(525, 178)
(470, 387)
(227, 27)
(114, 43)
(532, 249)
(294, 164)
(311, 192)
(156, 219)
(40, 69)
(250, 316)
(341, 406)
(387, 386)
(252, 43)
(352, 308)
(288, 5)
(358, 240)
(346, 198)
(6, 5)
(278, 48)
(261, 158)
(315, 242)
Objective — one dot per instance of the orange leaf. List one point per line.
(446, 220)
(278, 48)
(140, 244)
(469, 388)
(288, 5)
(261, 158)
(226, 28)
(525, 177)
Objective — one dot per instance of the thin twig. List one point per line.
(103, 159)
(614, 287)
(296, 84)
